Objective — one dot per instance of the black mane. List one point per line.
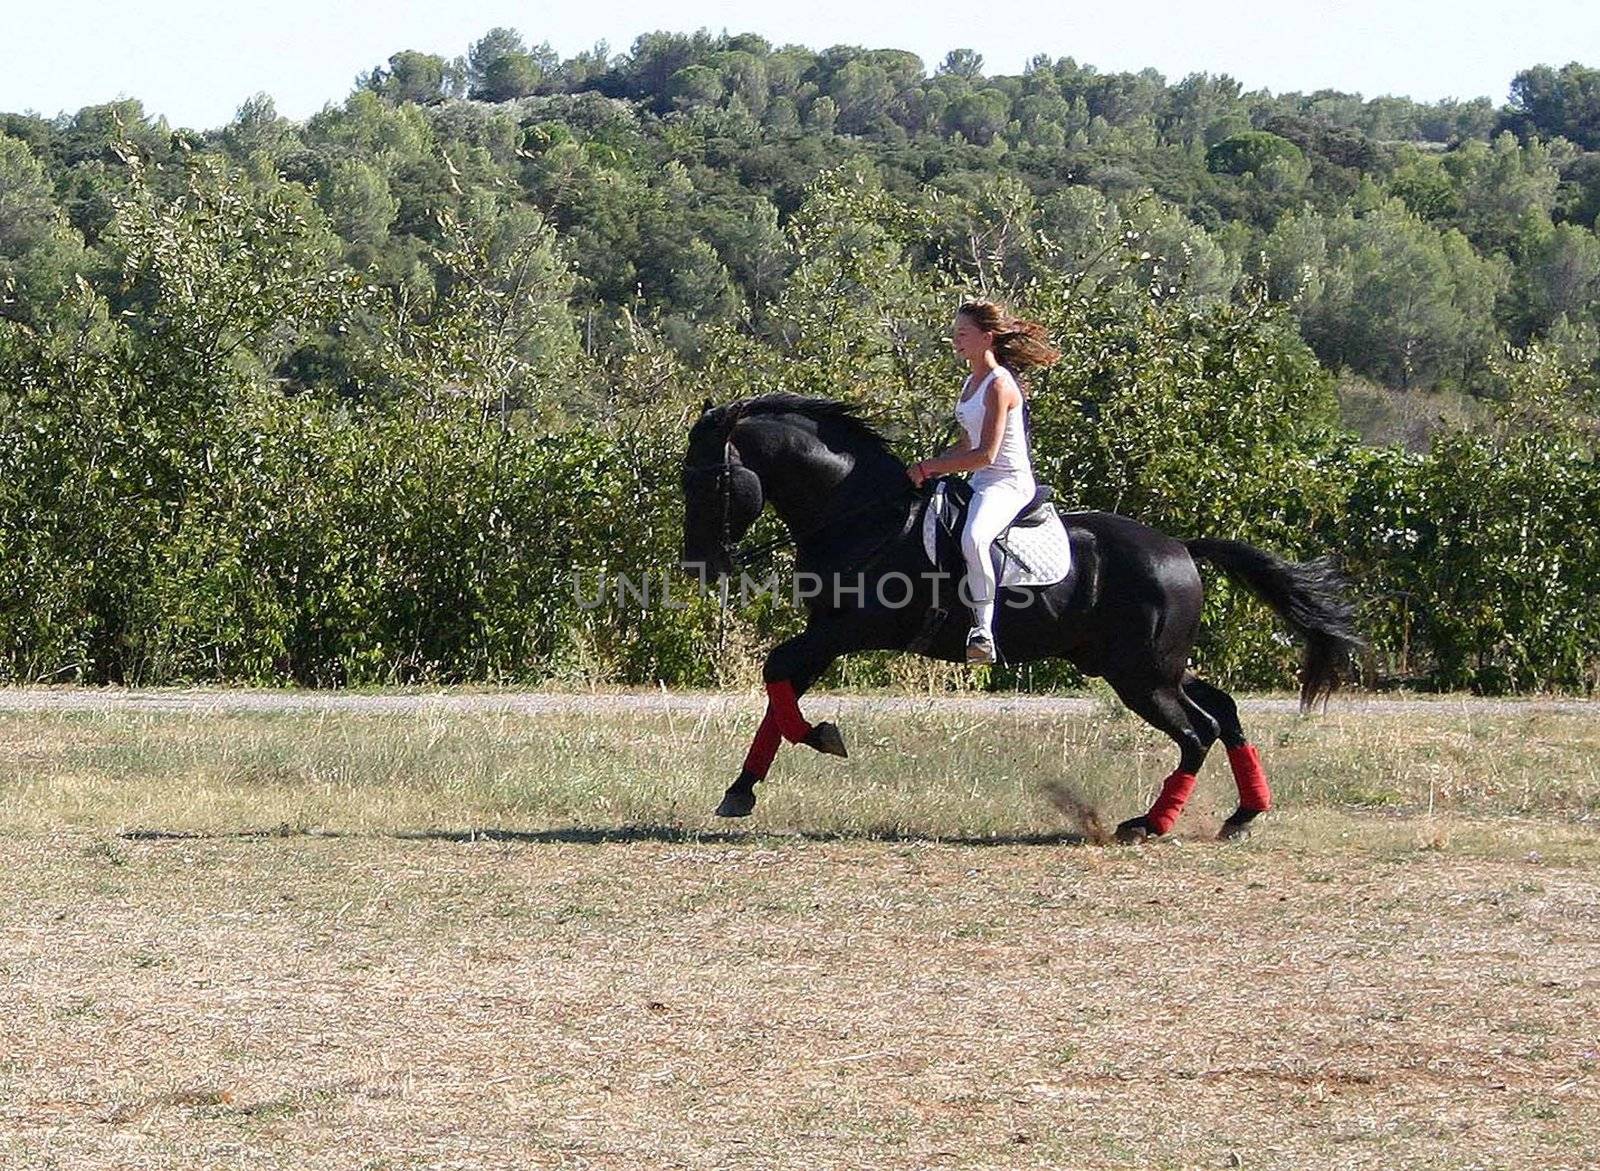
(820, 410)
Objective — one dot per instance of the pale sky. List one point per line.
(196, 62)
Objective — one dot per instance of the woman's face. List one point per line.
(968, 340)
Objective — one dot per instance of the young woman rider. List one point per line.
(996, 347)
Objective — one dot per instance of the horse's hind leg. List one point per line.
(1255, 797)
(1164, 706)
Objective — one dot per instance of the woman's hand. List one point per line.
(918, 473)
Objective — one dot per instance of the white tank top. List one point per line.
(1011, 461)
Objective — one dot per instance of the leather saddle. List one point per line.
(950, 499)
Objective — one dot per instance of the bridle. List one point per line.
(724, 473)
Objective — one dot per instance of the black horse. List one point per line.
(1128, 611)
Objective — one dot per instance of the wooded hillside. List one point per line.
(303, 401)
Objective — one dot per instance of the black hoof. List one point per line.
(736, 804)
(825, 737)
(740, 799)
(1237, 827)
(1135, 829)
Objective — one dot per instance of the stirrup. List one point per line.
(980, 647)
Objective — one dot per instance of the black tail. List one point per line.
(1308, 595)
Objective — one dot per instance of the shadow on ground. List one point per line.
(617, 834)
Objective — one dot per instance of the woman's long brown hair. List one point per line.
(1019, 344)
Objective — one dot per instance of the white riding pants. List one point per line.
(996, 500)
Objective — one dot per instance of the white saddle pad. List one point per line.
(1040, 554)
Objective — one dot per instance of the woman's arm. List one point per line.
(939, 464)
(1003, 396)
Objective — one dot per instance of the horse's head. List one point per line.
(721, 497)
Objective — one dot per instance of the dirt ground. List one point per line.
(489, 930)
(655, 999)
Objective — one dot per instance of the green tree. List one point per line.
(422, 78)
(1578, 197)
(856, 316)
(1552, 103)
(1252, 151)
(1492, 583)
(1559, 277)
(500, 67)
(1501, 185)
(978, 117)
(514, 75)
(695, 85)
(744, 75)
(260, 138)
(1202, 110)
(359, 205)
(494, 331)
(1393, 297)
(1426, 187)
(864, 95)
(822, 115)
(963, 63)
(40, 256)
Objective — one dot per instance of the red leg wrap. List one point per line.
(764, 747)
(783, 705)
(1254, 795)
(1175, 792)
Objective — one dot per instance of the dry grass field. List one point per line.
(446, 939)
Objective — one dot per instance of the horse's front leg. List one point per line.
(740, 799)
(790, 669)
(783, 705)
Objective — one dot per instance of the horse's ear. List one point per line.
(705, 407)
